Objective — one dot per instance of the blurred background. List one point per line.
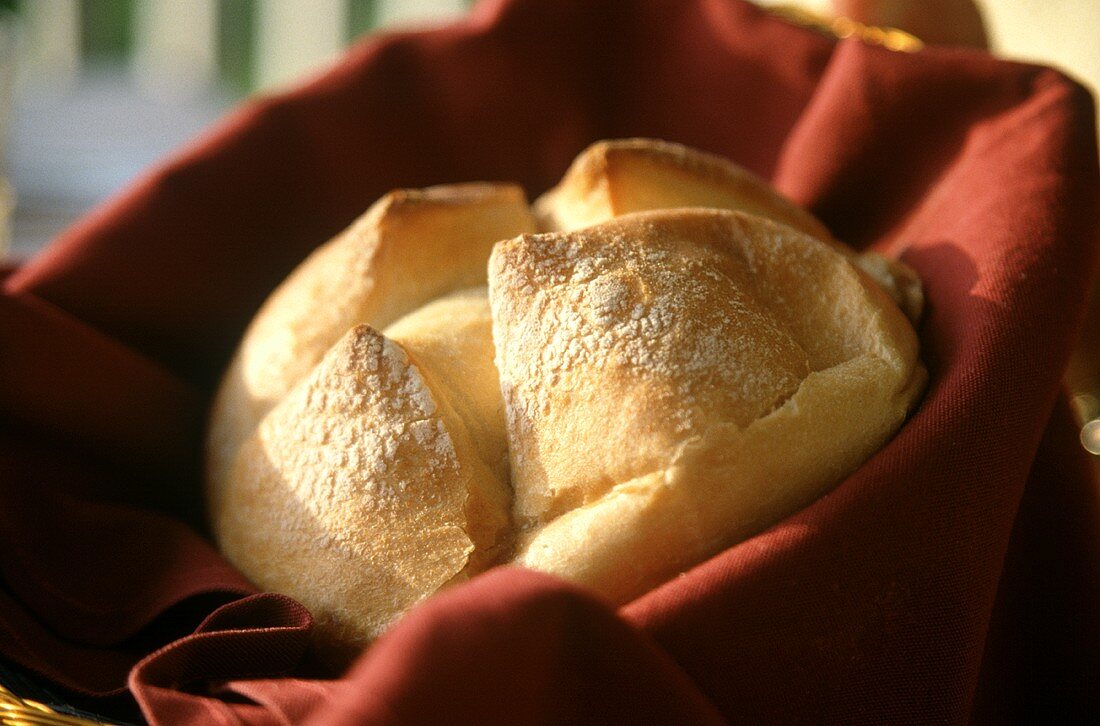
(92, 91)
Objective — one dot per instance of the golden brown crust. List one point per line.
(450, 343)
(899, 280)
(647, 314)
(363, 491)
(410, 247)
(656, 370)
(613, 178)
(351, 493)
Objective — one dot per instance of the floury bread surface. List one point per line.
(675, 381)
(411, 247)
(654, 373)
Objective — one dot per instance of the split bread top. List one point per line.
(662, 359)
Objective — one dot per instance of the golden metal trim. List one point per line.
(16, 711)
(842, 27)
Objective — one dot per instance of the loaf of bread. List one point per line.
(658, 359)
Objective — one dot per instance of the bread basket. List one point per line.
(952, 577)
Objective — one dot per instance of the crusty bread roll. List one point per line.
(410, 247)
(675, 381)
(365, 489)
(641, 385)
(613, 178)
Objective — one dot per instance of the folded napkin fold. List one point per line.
(954, 577)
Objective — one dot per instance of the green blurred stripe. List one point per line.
(106, 31)
(237, 44)
(362, 15)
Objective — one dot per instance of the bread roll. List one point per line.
(410, 247)
(365, 490)
(613, 178)
(675, 381)
(641, 385)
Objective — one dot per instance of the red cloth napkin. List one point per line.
(954, 577)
